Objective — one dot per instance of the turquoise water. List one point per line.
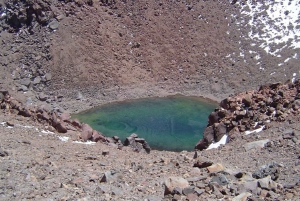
(173, 123)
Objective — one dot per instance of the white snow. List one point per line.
(47, 132)
(88, 142)
(254, 131)
(273, 24)
(294, 77)
(223, 140)
(63, 138)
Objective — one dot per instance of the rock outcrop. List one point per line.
(247, 111)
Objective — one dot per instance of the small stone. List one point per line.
(54, 24)
(37, 80)
(105, 152)
(10, 123)
(42, 97)
(110, 176)
(215, 168)
(242, 196)
(3, 153)
(48, 76)
(188, 190)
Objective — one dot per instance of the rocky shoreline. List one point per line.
(220, 173)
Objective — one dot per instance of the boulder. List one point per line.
(213, 118)
(220, 130)
(65, 116)
(61, 127)
(202, 144)
(208, 134)
(96, 136)
(129, 141)
(172, 182)
(87, 132)
(256, 144)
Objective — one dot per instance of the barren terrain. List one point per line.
(65, 56)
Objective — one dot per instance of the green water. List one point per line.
(173, 123)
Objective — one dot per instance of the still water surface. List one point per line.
(172, 123)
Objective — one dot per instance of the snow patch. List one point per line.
(223, 140)
(272, 23)
(47, 132)
(63, 138)
(88, 142)
(254, 131)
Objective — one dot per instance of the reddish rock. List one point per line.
(96, 136)
(61, 127)
(87, 132)
(65, 116)
(76, 123)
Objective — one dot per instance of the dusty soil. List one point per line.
(74, 55)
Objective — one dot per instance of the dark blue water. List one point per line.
(173, 123)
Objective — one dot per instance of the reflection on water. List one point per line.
(173, 123)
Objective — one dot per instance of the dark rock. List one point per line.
(10, 123)
(105, 152)
(247, 100)
(97, 136)
(213, 118)
(177, 191)
(271, 169)
(140, 140)
(188, 190)
(203, 164)
(3, 153)
(219, 131)
(76, 123)
(61, 127)
(129, 141)
(202, 144)
(220, 179)
(147, 147)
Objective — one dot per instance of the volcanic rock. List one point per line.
(172, 182)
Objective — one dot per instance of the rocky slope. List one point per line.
(70, 55)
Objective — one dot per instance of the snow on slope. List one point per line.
(273, 23)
